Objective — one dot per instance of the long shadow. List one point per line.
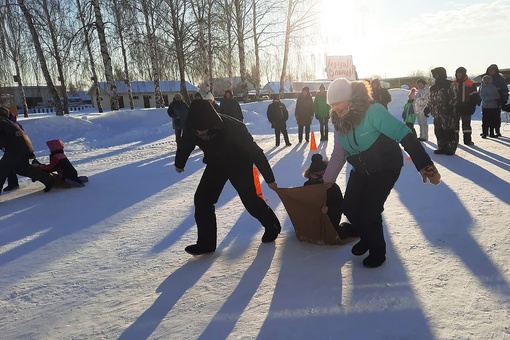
(176, 285)
(226, 318)
(61, 221)
(446, 223)
(462, 167)
(490, 157)
(313, 298)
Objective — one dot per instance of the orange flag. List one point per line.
(256, 181)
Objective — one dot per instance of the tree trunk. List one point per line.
(56, 51)
(91, 56)
(152, 55)
(256, 73)
(127, 79)
(21, 90)
(179, 46)
(288, 30)
(40, 57)
(107, 61)
(240, 44)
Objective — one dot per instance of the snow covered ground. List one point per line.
(106, 261)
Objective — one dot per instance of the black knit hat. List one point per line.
(318, 164)
(203, 116)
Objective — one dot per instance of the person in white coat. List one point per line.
(420, 103)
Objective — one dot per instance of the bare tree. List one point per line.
(107, 61)
(299, 17)
(179, 29)
(240, 11)
(12, 34)
(40, 56)
(86, 31)
(148, 13)
(118, 11)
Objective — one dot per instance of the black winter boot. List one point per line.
(374, 261)
(197, 249)
(359, 248)
(271, 233)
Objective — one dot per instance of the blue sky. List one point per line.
(398, 38)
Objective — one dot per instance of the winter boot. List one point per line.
(374, 261)
(11, 187)
(197, 249)
(359, 248)
(271, 233)
(346, 230)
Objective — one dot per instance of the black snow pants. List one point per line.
(209, 189)
(363, 205)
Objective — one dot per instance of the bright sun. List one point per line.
(342, 26)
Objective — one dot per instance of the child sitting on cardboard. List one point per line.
(60, 164)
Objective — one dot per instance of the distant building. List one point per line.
(220, 85)
(274, 87)
(143, 93)
(36, 96)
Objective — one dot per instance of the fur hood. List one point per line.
(360, 102)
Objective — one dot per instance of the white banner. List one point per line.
(340, 67)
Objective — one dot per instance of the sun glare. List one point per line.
(342, 26)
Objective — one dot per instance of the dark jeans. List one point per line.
(209, 189)
(300, 132)
(411, 126)
(178, 135)
(363, 205)
(285, 136)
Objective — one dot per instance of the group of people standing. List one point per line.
(452, 103)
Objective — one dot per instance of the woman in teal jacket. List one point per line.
(367, 136)
(321, 108)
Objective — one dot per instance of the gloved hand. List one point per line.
(430, 172)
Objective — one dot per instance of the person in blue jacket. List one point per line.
(367, 136)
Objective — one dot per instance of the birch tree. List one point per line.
(107, 61)
(86, 26)
(299, 17)
(41, 58)
(12, 35)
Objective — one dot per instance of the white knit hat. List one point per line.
(209, 96)
(340, 90)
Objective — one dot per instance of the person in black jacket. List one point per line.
(17, 152)
(178, 111)
(229, 154)
(230, 106)
(277, 114)
(304, 113)
(380, 94)
(500, 83)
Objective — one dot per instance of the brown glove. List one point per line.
(430, 172)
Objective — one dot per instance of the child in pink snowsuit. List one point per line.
(59, 163)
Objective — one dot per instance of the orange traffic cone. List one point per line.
(313, 145)
(256, 181)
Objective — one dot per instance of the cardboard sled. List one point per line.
(303, 204)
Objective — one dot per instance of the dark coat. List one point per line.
(228, 144)
(277, 114)
(178, 111)
(231, 107)
(304, 109)
(381, 96)
(500, 83)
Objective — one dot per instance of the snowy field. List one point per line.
(107, 261)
